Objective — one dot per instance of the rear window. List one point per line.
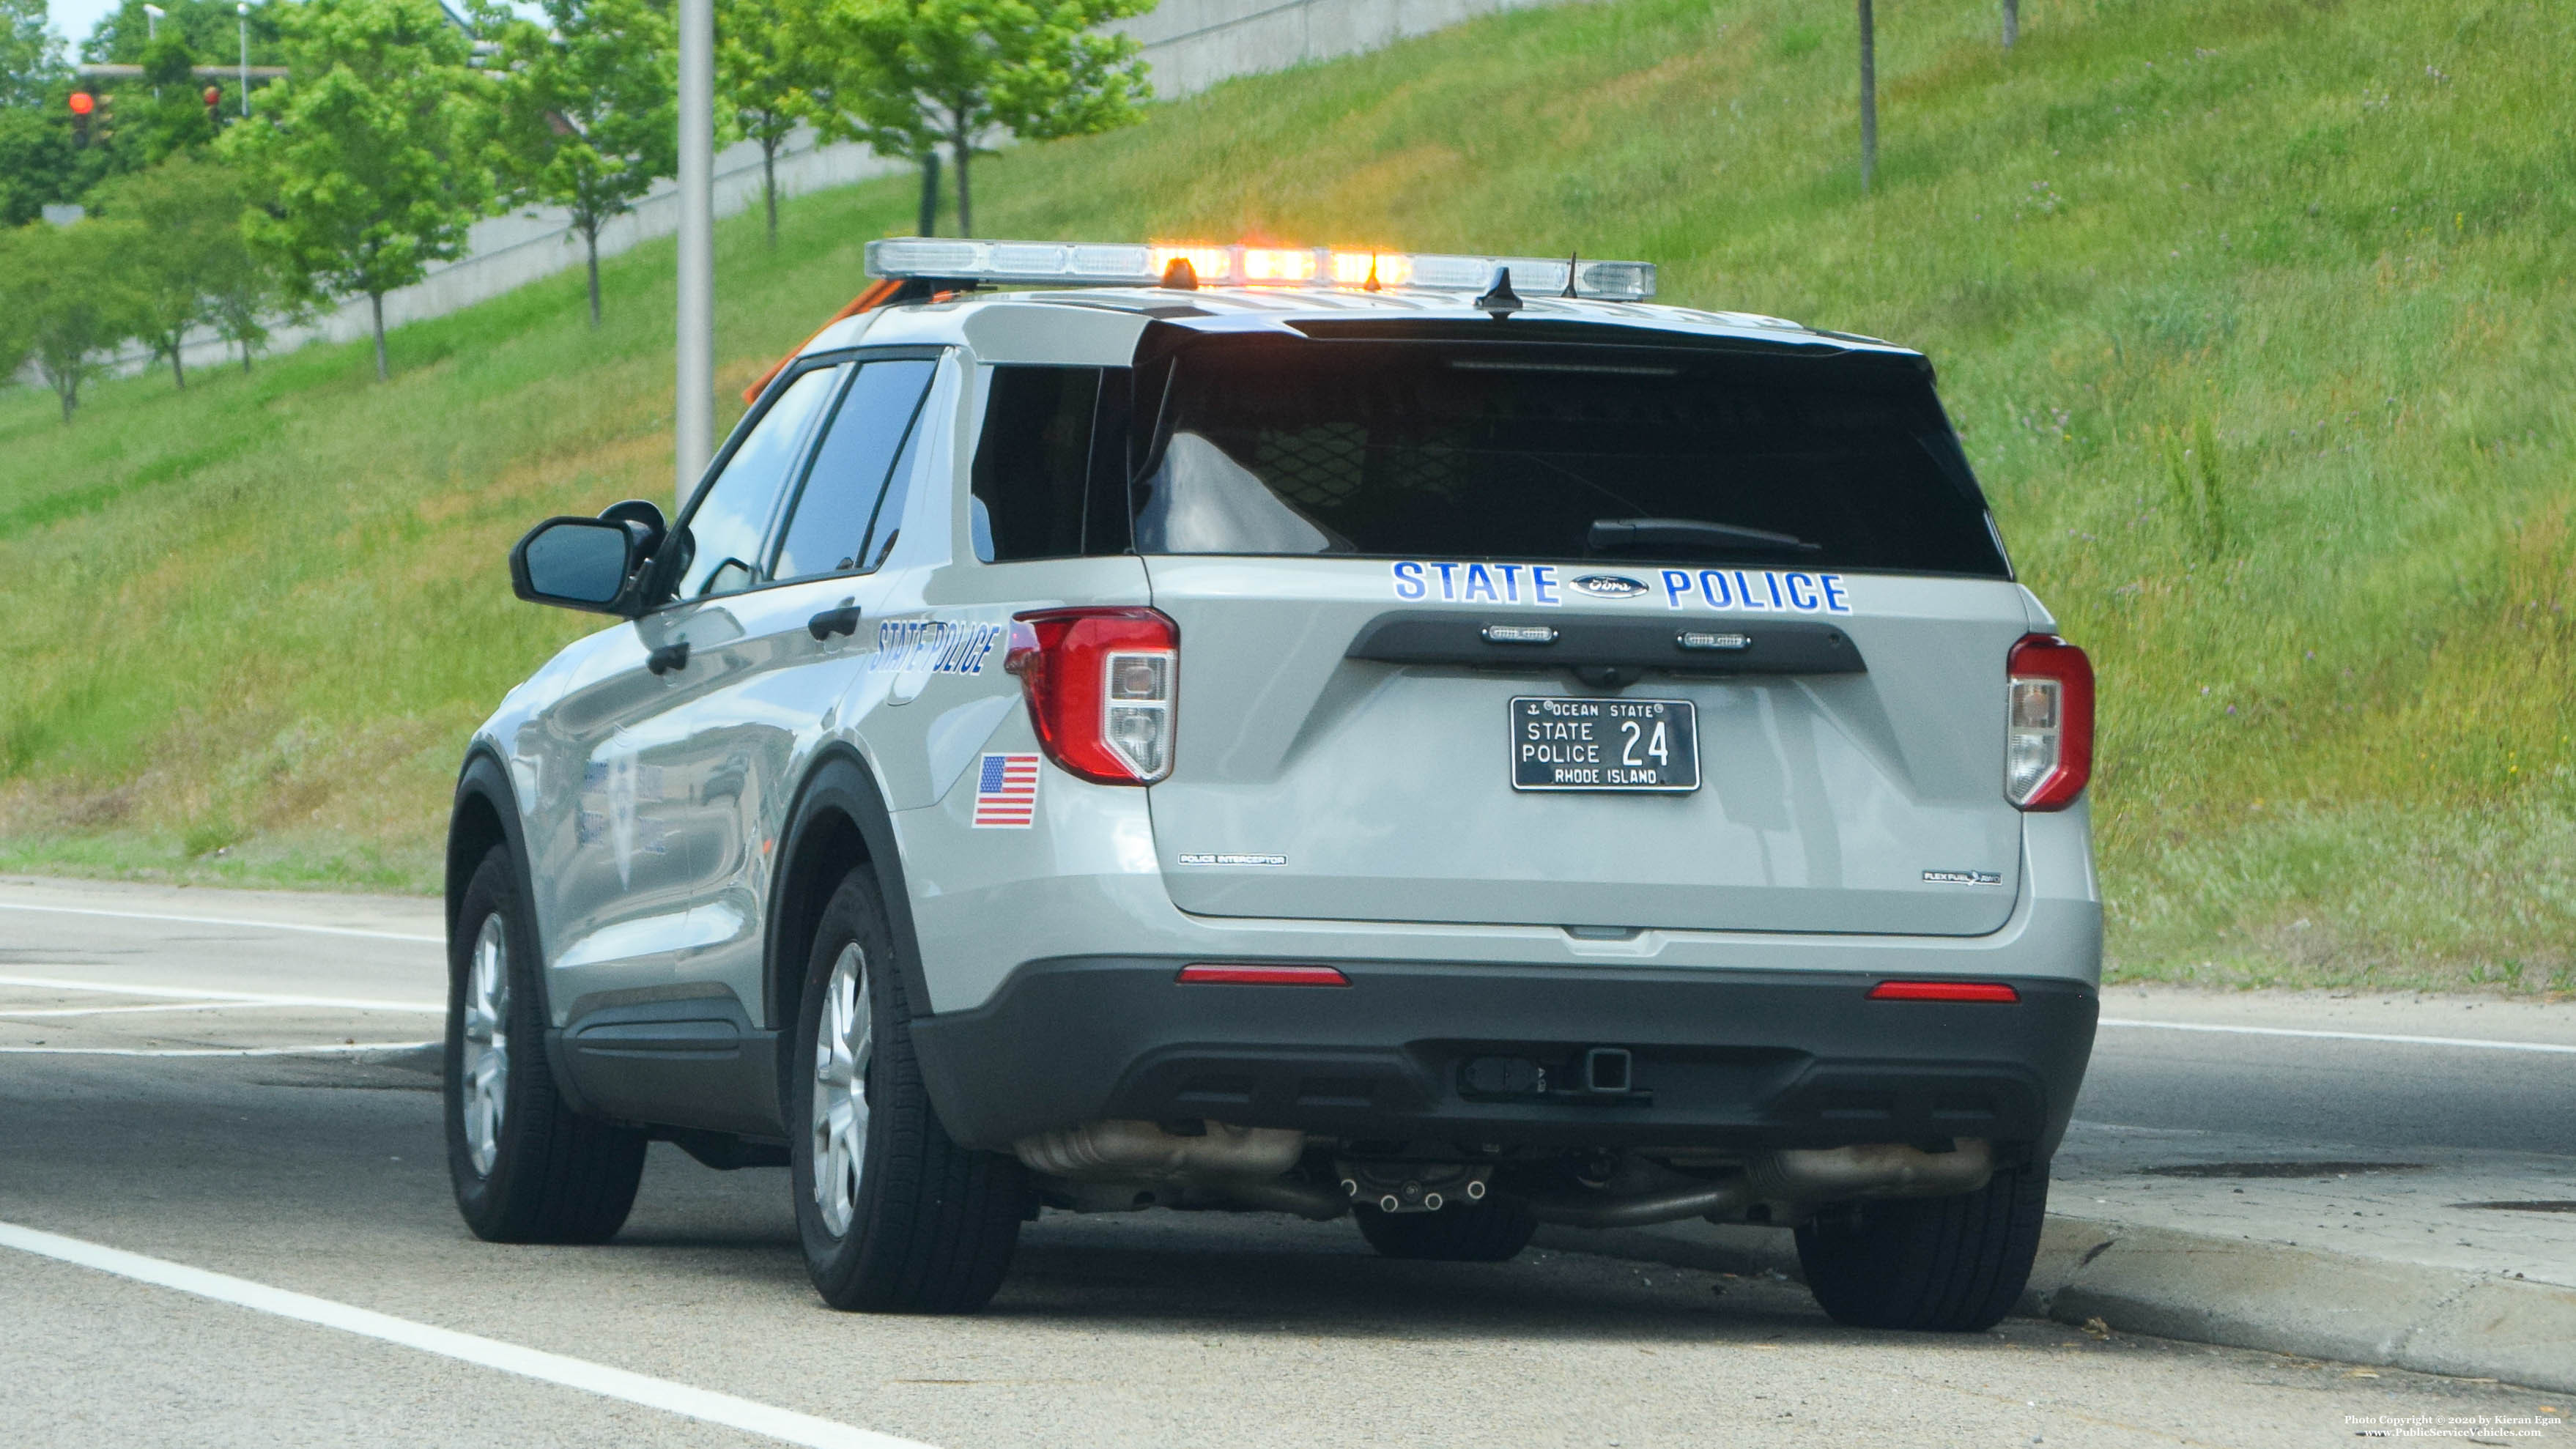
(1455, 450)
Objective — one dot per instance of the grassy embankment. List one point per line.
(2255, 314)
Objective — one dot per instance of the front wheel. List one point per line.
(1944, 1264)
(895, 1216)
(526, 1168)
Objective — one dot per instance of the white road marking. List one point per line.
(704, 1405)
(337, 1048)
(199, 993)
(2481, 1043)
(53, 1011)
(226, 921)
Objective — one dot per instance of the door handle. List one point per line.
(674, 655)
(843, 620)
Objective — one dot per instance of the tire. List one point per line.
(898, 1218)
(526, 1168)
(1941, 1264)
(1493, 1231)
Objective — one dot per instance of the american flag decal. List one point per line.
(1006, 792)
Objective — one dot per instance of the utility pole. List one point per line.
(1868, 95)
(2012, 22)
(242, 13)
(694, 411)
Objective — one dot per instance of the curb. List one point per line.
(2233, 1291)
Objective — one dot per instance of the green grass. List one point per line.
(2255, 314)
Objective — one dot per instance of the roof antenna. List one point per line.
(1371, 284)
(1572, 261)
(1500, 300)
(1180, 276)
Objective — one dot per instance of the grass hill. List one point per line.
(2256, 316)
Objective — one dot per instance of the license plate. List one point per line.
(1604, 744)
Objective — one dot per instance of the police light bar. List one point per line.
(1084, 264)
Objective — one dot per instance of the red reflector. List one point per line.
(1262, 976)
(1943, 991)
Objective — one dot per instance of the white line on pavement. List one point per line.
(705, 1405)
(337, 1048)
(193, 993)
(54, 1011)
(226, 921)
(2440, 1041)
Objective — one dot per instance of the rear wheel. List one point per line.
(1492, 1231)
(895, 1216)
(526, 1167)
(1946, 1264)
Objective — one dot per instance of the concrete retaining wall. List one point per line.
(1191, 45)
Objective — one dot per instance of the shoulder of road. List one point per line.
(2452, 1260)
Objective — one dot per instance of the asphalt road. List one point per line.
(323, 1175)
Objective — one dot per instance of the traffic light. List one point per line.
(214, 108)
(82, 103)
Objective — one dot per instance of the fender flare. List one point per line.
(838, 782)
(485, 779)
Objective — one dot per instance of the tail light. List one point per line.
(2048, 747)
(1100, 685)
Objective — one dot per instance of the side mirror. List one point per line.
(579, 563)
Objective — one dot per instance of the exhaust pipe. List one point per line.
(1594, 1210)
(1118, 1151)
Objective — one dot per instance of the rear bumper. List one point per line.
(1721, 1059)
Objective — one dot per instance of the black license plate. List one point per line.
(1604, 744)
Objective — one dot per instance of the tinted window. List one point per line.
(828, 528)
(889, 516)
(1033, 465)
(1531, 451)
(721, 540)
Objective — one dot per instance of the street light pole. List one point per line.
(693, 417)
(242, 12)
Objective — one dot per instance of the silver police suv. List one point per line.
(1443, 741)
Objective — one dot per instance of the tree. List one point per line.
(766, 81)
(31, 56)
(38, 163)
(364, 156)
(207, 27)
(70, 286)
(166, 115)
(588, 113)
(910, 75)
(193, 259)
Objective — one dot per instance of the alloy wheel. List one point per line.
(843, 1040)
(485, 1062)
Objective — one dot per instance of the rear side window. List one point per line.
(1050, 469)
(828, 530)
(1462, 450)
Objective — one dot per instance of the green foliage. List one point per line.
(38, 166)
(362, 158)
(2198, 493)
(198, 268)
(209, 28)
(166, 114)
(586, 113)
(31, 56)
(2338, 755)
(908, 75)
(766, 82)
(72, 291)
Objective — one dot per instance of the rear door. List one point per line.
(1441, 605)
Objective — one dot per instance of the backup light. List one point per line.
(2048, 722)
(1100, 690)
(1081, 264)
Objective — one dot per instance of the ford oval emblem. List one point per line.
(1609, 586)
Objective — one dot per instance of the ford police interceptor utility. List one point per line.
(1438, 740)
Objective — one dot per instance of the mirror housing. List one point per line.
(592, 564)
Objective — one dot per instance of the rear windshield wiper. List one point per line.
(1612, 535)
